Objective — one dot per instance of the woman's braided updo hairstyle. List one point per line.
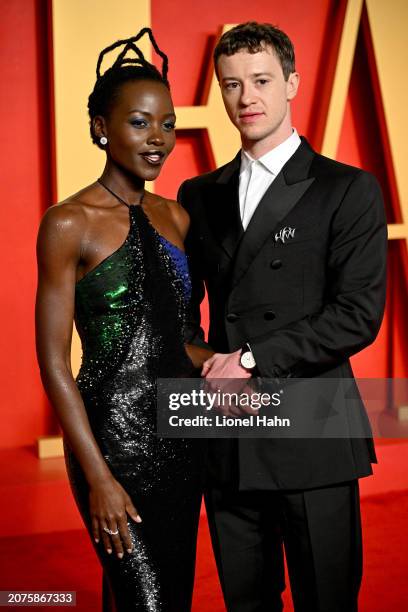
(124, 69)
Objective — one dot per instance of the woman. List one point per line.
(111, 256)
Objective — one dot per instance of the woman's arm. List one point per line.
(198, 350)
(58, 255)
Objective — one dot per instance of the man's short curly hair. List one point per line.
(254, 37)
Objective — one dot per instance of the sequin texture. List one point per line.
(130, 312)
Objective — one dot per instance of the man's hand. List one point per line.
(217, 370)
(227, 365)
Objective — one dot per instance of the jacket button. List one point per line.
(276, 264)
(232, 317)
(269, 315)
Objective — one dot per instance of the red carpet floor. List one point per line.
(65, 561)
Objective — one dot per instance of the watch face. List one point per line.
(247, 360)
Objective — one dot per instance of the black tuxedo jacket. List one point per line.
(305, 300)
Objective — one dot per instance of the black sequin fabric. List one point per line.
(129, 312)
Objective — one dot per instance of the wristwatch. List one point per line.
(247, 360)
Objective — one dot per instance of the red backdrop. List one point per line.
(186, 31)
(25, 169)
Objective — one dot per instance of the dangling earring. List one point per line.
(103, 140)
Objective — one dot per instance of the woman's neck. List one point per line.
(127, 186)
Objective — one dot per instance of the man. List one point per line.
(292, 249)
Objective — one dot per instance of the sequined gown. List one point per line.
(129, 312)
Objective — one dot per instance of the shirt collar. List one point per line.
(274, 160)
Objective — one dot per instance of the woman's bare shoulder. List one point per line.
(69, 217)
(64, 224)
(180, 216)
(177, 213)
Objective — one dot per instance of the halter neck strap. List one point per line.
(115, 195)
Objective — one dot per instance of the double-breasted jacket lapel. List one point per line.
(279, 199)
(227, 224)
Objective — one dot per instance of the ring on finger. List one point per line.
(110, 531)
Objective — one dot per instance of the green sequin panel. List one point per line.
(102, 300)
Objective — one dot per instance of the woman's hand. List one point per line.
(109, 505)
(198, 354)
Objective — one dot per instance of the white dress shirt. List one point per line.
(256, 175)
